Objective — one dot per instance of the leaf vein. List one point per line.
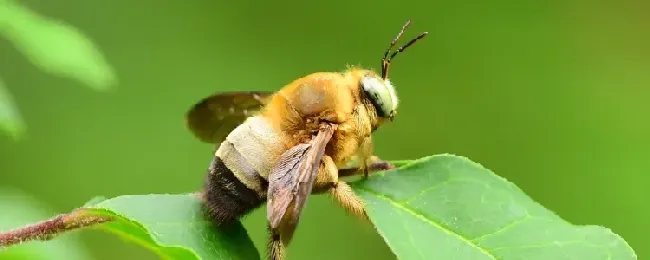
(408, 231)
(505, 228)
(550, 244)
(431, 222)
(438, 185)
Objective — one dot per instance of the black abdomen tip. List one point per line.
(227, 199)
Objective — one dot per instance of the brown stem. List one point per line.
(48, 229)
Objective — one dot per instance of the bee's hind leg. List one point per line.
(327, 180)
(348, 200)
(276, 247)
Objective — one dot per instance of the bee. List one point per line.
(279, 147)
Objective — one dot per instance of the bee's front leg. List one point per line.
(365, 155)
(365, 163)
(374, 164)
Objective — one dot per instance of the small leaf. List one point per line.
(448, 207)
(10, 119)
(175, 227)
(54, 46)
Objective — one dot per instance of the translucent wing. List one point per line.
(214, 117)
(291, 180)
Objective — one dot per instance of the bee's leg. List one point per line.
(364, 163)
(328, 180)
(348, 200)
(365, 152)
(373, 164)
(276, 246)
(326, 177)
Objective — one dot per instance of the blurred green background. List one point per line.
(552, 95)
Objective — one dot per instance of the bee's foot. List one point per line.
(381, 166)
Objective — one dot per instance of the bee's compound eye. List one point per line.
(381, 94)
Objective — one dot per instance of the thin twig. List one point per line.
(83, 217)
(48, 229)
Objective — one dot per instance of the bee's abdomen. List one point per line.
(227, 198)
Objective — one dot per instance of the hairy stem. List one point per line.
(48, 229)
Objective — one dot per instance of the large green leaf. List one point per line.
(448, 207)
(54, 46)
(174, 226)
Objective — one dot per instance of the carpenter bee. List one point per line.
(280, 147)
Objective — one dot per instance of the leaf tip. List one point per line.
(618, 238)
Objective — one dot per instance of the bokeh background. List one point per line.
(552, 95)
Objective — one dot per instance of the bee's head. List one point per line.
(379, 89)
(382, 95)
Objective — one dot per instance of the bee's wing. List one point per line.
(212, 118)
(292, 178)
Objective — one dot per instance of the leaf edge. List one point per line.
(156, 248)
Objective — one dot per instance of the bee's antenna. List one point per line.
(392, 44)
(385, 61)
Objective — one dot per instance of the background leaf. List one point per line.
(19, 209)
(54, 46)
(10, 119)
(174, 227)
(448, 207)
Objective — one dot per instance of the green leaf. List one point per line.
(24, 210)
(448, 207)
(55, 47)
(10, 119)
(174, 227)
